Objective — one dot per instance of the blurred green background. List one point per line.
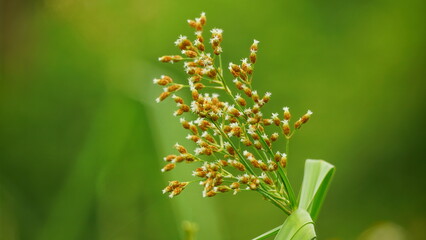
(82, 139)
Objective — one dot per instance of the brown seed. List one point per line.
(179, 158)
(169, 158)
(235, 185)
(168, 167)
(253, 57)
(297, 124)
(223, 189)
(195, 94)
(283, 161)
(211, 193)
(184, 108)
(165, 59)
(177, 191)
(199, 86)
(163, 96)
(255, 163)
(174, 87)
(268, 181)
(263, 166)
(223, 163)
(180, 148)
(252, 186)
(177, 58)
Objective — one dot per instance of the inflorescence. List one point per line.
(233, 151)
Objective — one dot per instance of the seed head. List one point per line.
(223, 130)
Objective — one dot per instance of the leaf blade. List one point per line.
(298, 225)
(316, 180)
(268, 233)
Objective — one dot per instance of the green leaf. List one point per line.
(268, 233)
(316, 179)
(298, 226)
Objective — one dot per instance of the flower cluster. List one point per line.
(233, 151)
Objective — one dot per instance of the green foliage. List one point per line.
(298, 226)
(316, 180)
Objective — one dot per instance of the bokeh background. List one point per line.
(82, 139)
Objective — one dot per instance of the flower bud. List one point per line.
(235, 185)
(267, 97)
(287, 114)
(174, 88)
(162, 96)
(203, 19)
(169, 158)
(274, 137)
(189, 53)
(306, 117)
(254, 47)
(286, 128)
(283, 160)
(185, 124)
(168, 167)
(253, 57)
(238, 84)
(241, 101)
(180, 148)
